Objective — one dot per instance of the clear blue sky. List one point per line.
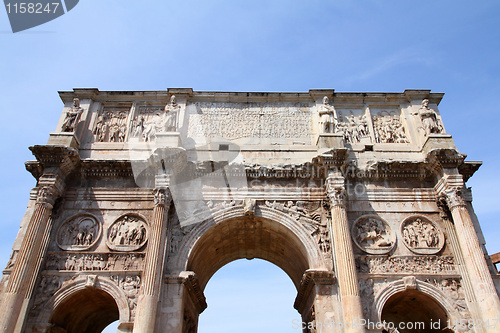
(272, 45)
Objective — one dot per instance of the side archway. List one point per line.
(99, 303)
(415, 306)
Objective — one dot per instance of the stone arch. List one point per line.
(113, 304)
(436, 302)
(306, 248)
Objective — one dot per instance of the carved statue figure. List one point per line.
(72, 116)
(429, 118)
(327, 117)
(171, 111)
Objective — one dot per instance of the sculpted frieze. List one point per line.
(406, 264)
(354, 125)
(127, 233)
(79, 233)
(453, 289)
(57, 261)
(152, 120)
(367, 295)
(45, 290)
(388, 128)
(130, 284)
(373, 235)
(421, 236)
(111, 126)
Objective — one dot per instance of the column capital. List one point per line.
(335, 189)
(162, 197)
(47, 195)
(453, 197)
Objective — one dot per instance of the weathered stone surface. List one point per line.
(142, 196)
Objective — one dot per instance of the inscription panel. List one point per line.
(250, 120)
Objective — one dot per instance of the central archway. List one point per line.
(248, 237)
(269, 234)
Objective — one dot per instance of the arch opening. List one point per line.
(96, 309)
(415, 312)
(249, 296)
(248, 237)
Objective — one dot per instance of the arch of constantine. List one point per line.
(142, 196)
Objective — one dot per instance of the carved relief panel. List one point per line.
(373, 235)
(79, 233)
(153, 119)
(354, 124)
(128, 233)
(111, 124)
(421, 236)
(388, 127)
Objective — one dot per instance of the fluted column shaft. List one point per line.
(26, 262)
(344, 256)
(153, 270)
(475, 263)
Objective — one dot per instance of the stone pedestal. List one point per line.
(67, 139)
(170, 139)
(330, 140)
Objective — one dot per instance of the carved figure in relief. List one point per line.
(127, 232)
(72, 116)
(354, 128)
(389, 129)
(420, 234)
(78, 233)
(138, 127)
(327, 117)
(373, 235)
(429, 119)
(48, 286)
(101, 127)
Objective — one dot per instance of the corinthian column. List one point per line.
(475, 263)
(344, 256)
(26, 262)
(153, 270)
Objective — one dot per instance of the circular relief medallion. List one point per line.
(127, 233)
(373, 235)
(421, 235)
(78, 233)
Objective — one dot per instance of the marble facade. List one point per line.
(142, 196)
